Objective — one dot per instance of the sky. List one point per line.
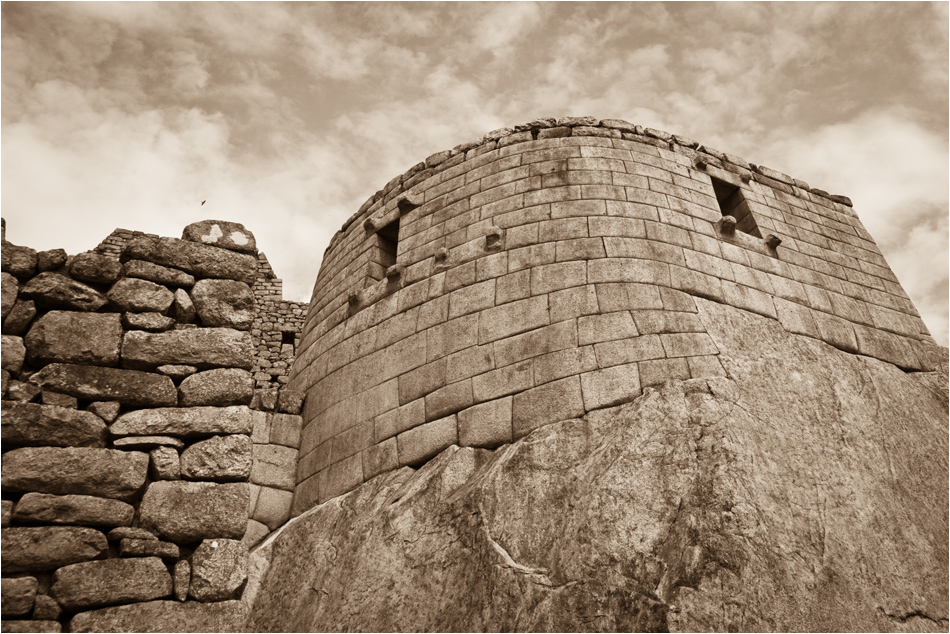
(287, 117)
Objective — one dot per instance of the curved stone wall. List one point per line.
(549, 270)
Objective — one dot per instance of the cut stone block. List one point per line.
(226, 303)
(204, 348)
(52, 290)
(184, 422)
(255, 533)
(188, 512)
(84, 510)
(71, 337)
(425, 441)
(285, 429)
(163, 616)
(486, 425)
(36, 425)
(380, 458)
(218, 459)
(27, 549)
(129, 387)
(95, 584)
(274, 466)
(549, 403)
(611, 386)
(197, 259)
(165, 463)
(218, 388)
(218, 569)
(75, 471)
(273, 507)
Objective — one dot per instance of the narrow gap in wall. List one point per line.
(733, 203)
(287, 338)
(387, 240)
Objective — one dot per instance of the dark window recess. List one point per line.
(386, 241)
(287, 338)
(733, 203)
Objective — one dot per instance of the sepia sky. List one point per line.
(286, 117)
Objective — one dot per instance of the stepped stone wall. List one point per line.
(549, 270)
(142, 457)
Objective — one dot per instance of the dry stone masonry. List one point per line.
(551, 269)
(141, 456)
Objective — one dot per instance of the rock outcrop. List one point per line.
(807, 490)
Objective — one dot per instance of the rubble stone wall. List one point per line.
(141, 459)
(548, 270)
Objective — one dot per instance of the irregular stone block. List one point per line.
(13, 353)
(182, 578)
(80, 471)
(94, 267)
(219, 459)
(183, 309)
(204, 348)
(130, 547)
(176, 371)
(7, 506)
(227, 235)
(128, 532)
(200, 260)
(51, 260)
(219, 388)
(45, 608)
(35, 425)
(165, 464)
(106, 410)
(153, 322)
(226, 303)
(218, 569)
(19, 262)
(273, 507)
(147, 443)
(158, 274)
(129, 387)
(52, 290)
(27, 549)
(274, 466)
(163, 616)
(9, 289)
(85, 510)
(71, 337)
(187, 512)
(184, 422)
(59, 400)
(94, 584)
(290, 401)
(22, 392)
(255, 533)
(140, 296)
(31, 626)
(20, 317)
(17, 596)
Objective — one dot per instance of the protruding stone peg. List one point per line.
(727, 225)
(746, 176)
(772, 241)
(700, 163)
(493, 238)
(394, 272)
(407, 202)
(353, 298)
(370, 225)
(441, 255)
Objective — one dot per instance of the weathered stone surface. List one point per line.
(106, 473)
(204, 348)
(148, 443)
(219, 388)
(273, 507)
(52, 290)
(176, 371)
(218, 569)
(187, 512)
(184, 422)
(59, 400)
(256, 531)
(227, 235)
(71, 337)
(163, 616)
(165, 463)
(129, 387)
(13, 353)
(182, 579)
(106, 410)
(7, 506)
(35, 425)
(94, 267)
(808, 491)
(22, 392)
(130, 547)
(140, 296)
(30, 626)
(183, 309)
(158, 274)
(19, 262)
(225, 303)
(94, 584)
(219, 459)
(200, 260)
(129, 532)
(28, 549)
(153, 322)
(17, 595)
(274, 466)
(85, 510)
(290, 401)
(45, 608)
(9, 288)
(20, 317)
(51, 260)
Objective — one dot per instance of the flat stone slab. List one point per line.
(75, 471)
(184, 422)
(147, 442)
(28, 549)
(225, 303)
(84, 510)
(153, 322)
(129, 387)
(130, 547)
(220, 388)
(71, 337)
(95, 584)
(52, 290)
(204, 348)
(219, 459)
(163, 616)
(221, 233)
(158, 274)
(188, 512)
(200, 260)
(36, 425)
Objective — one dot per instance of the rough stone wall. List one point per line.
(549, 270)
(139, 461)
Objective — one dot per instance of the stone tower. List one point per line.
(549, 270)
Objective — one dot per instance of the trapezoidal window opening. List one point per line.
(387, 239)
(287, 338)
(733, 203)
